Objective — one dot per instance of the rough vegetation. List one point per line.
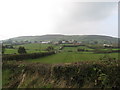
(87, 74)
(59, 61)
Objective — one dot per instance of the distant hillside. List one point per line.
(83, 38)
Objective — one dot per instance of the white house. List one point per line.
(45, 42)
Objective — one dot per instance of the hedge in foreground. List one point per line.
(26, 56)
(70, 75)
(89, 75)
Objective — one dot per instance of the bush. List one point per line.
(71, 45)
(99, 75)
(21, 50)
(108, 60)
(50, 48)
(80, 50)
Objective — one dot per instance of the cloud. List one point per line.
(38, 17)
(91, 11)
(82, 17)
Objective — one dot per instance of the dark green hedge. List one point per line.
(78, 75)
(26, 56)
(107, 51)
(71, 45)
(98, 75)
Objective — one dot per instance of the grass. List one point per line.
(36, 46)
(64, 57)
(5, 76)
(79, 75)
(75, 48)
(31, 48)
(10, 51)
(68, 57)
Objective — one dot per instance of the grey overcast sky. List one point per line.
(39, 17)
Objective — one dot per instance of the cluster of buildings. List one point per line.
(60, 42)
(57, 42)
(67, 42)
(47, 42)
(107, 45)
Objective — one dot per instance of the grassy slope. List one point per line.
(67, 37)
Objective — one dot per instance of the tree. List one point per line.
(50, 48)
(60, 42)
(21, 50)
(80, 49)
(95, 42)
(3, 49)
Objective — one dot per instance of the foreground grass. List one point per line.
(5, 76)
(68, 57)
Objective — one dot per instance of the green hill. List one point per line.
(57, 37)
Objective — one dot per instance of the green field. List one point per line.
(31, 48)
(28, 71)
(36, 46)
(75, 48)
(81, 62)
(68, 57)
(5, 76)
(10, 51)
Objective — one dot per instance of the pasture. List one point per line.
(75, 48)
(62, 64)
(66, 55)
(31, 48)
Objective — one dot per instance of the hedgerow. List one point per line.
(26, 56)
(82, 74)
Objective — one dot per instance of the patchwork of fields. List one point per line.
(90, 63)
(66, 55)
(30, 48)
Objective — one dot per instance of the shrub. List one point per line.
(108, 60)
(21, 50)
(80, 50)
(50, 48)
